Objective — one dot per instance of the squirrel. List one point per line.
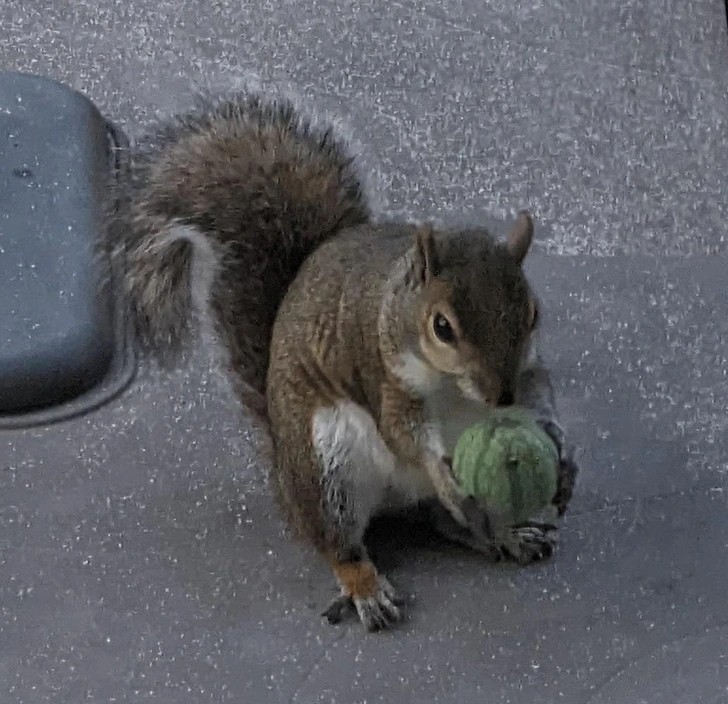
(367, 346)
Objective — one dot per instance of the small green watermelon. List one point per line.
(508, 462)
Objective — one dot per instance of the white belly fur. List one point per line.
(347, 441)
(353, 452)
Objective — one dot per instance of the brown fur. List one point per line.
(359, 303)
(359, 579)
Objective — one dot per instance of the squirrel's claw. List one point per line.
(377, 612)
(529, 543)
(338, 608)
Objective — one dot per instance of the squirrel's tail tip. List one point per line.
(170, 273)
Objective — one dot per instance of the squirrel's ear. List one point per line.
(521, 236)
(423, 264)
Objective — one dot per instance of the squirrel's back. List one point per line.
(223, 205)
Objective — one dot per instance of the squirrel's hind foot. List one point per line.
(366, 593)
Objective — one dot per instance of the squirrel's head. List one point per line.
(471, 311)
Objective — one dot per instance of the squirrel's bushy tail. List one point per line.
(223, 206)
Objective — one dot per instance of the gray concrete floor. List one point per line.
(142, 557)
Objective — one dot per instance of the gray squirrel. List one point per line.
(367, 347)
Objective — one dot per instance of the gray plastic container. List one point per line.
(62, 338)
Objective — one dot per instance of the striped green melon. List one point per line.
(509, 463)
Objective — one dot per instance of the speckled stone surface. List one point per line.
(141, 556)
(607, 118)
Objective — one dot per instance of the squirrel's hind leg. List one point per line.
(366, 591)
(356, 473)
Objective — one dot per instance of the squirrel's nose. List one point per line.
(506, 398)
(489, 389)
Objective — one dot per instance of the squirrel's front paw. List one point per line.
(367, 593)
(530, 542)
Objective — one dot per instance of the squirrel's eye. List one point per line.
(443, 329)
